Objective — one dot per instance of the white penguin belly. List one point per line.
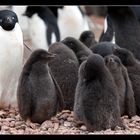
(37, 29)
(11, 58)
(70, 22)
(23, 20)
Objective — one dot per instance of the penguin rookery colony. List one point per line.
(60, 66)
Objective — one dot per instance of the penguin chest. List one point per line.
(11, 57)
(37, 29)
(71, 22)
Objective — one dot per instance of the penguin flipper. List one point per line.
(59, 92)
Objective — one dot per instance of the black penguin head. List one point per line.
(31, 10)
(125, 55)
(8, 19)
(88, 38)
(93, 67)
(112, 62)
(72, 43)
(41, 55)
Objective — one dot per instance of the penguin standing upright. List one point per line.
(39, 96)
(126, 28)
(96, 99)
(11, 57)
(71, 21)
(64, 67)
(123, 83)
(43, 28)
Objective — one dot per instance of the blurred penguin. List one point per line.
(43, 27)
(72, 21)
(23, 20)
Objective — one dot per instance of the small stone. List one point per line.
(18, 123)
(67, 124)
(136, 118)
(54, 119)
(4, 127)
(47, 124)
(56, 126)
(70, 119)
(83, 128)
(12, 124)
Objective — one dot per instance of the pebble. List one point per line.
(67, 124)
(83, 128)
(62, 123)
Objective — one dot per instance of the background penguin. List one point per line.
(71, 21)
(64, 67)
(96, 98)
(88, 38)
(133, 68)
(81, 51)
(107, 34)
(37, 94)
(11, 57)
(43, 26)
(23, 20)
(103, 48)
(136, 10)
(123, 83)
(126, 28)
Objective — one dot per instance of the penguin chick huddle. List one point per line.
(98, 81)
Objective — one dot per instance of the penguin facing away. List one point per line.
(65, 67)
(123, 83)
(88, 38)
(71, 22)
(38, 95)
(96, 99)
(11, 57)
(104, 48)
(80, 49)
(43, 26)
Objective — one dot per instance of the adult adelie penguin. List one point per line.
(96, 99)
(43, 26)
(71, 21)
(108, 33)
(11, 57)
(39, 96)
(65, 70)
(126, 28)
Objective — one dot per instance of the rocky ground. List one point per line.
(62, 123)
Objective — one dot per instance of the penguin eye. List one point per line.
(13, 17)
